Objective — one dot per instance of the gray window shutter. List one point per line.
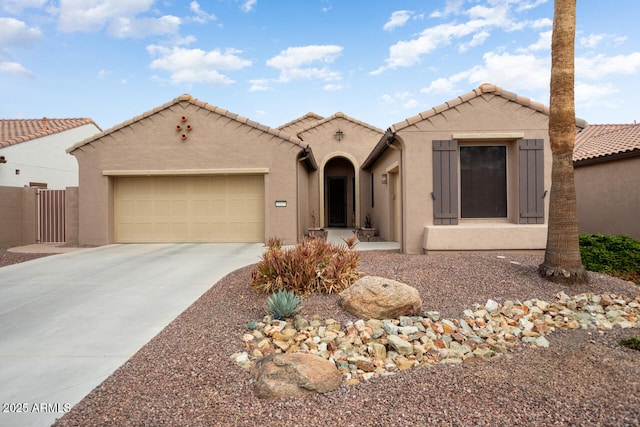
(531, 181)
(445, 182)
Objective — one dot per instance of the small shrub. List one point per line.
(633, 343)
(283, 304)
(617, 256)
(252, 325)
(313, 266)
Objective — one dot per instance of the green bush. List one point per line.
(633, 343)
(313, 266)
(283, 304)
(617, 256)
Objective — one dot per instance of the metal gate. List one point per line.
(51, 227)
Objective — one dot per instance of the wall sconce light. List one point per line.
(339, 135)
(384, 178)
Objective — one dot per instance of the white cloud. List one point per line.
(516, 72)
(137, 28)
(247, 5)
(17, 6)
(530, 4)
(523, 72)
(102, 74)
(14, 68)
(121, 17)
(591, 41)
(397, 19)
(440, 85)
(201, 17)
(542, 23)
(294, 62)
(196, 65)
(331, 87)
(543, 43)
(477, 40)
(411, 104)
(598, 66)
(408, 53)
(452, 7)
(15, 33)
(472, 32)
(594, 40)
(587, 95)
(405, 99)
(258, 85)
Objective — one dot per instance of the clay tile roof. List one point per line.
(194, 101)
(603, 141)
(339, 115)
(188, 98)
(484, 88)
(15, 131)
(479, 91)
(293, 122)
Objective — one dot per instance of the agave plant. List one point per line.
(283, 304)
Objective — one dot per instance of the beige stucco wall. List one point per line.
(382, 213)
(71, 211)
(355, 146)
(488, 115)
(18, 214)
(608, 196)
(216, 144)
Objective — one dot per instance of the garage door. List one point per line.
(189, 209)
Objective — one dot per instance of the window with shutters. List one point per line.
(484, 180)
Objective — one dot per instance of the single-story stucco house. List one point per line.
(34, 172)
(606, 164)
(32, 151)
(470, 174)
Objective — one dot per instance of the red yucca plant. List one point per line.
(313, 266)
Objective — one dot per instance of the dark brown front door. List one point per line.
(337, 201)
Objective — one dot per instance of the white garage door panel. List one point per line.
(189, 209)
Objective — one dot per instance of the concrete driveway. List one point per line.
(68, 321)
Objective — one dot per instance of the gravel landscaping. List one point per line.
(185, 376)
(9, 258)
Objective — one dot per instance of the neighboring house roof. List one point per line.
(337, 115)
(15, 131)
(598, 143)
(308, 154)
(484, 88)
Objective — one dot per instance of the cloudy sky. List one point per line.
(379, 61)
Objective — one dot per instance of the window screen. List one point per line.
(483, 181)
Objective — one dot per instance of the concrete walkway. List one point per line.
(336, 236)
(68, 321)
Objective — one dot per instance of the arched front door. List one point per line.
(340, 193)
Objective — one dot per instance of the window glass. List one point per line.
(483, 181)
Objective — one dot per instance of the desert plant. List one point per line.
(633, 343)
(252, 325)
(617, 256)
(313, 219)
(283, 304)
(368, 222)
(313, 266)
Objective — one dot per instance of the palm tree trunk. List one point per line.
(562, 262)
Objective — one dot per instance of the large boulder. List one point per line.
(294, 375)
(379, 298)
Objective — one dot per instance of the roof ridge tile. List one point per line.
(191, 100)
